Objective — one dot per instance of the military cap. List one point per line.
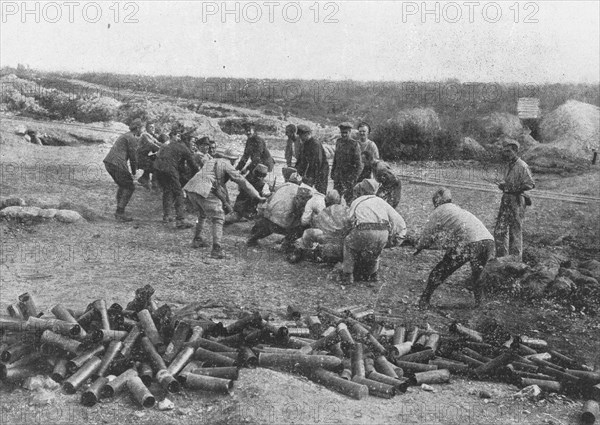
(303, 128)
(508, 142)
(136, 123)
(367, 187)
(291, 127)
(345, 125)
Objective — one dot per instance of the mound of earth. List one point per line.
(573, 125)
(499, 124)
(426, 119)
(170, 116)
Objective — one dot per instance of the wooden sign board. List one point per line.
(528, 108)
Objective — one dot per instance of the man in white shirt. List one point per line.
(465, 238)
(373, 222)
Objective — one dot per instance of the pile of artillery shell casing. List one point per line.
(350, 350)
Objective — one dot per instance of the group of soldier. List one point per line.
(351, 223)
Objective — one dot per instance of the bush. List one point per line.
(59, 104)
(412, 142)
(97, 108)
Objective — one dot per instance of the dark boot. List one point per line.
(198, 241)
(121, 216)
(217, 252)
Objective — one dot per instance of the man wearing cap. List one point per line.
(465, 239)
(324, 240)
(245, 207)
(518, 179)
(123, 150)
(313, 165)
(255, 150)
(207, 189)
(374, 223)
(347, 163)
(282, 213)
(146, 154)
(170, 161)
(366, 145)
(293, 146)
(391, 186)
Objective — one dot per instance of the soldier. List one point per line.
(255, 150)
(518, 179)
(115, 162)
(324, 240)
(347, 163)
(245, 207)
(207, 189)
(282, 213)
(293, 146)
(312, 165)
(465, 239)
(169, 162)
(374, 224)
(365, 144)
(391, 187)
(146, 154)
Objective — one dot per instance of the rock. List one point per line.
(28, 213)
(47, 214)
(45, 202)
(20, 129)
(42, 397)
(590, 268)
(470, 148)
(166, 404)
(67, 216)
(562, 287)
(12, 202)
(531, 392)
(426, 387)
(503, 274)
(485, 394)
(10, 212)
(33, 383)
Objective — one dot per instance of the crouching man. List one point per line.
(207, 191)
(324, 241)
(282, 213)
(465, 238)
(373, 222)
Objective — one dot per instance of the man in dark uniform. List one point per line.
(509, 224)
(168, 163)
(293, 146)
(347, 163)
(313, 165)
(148, 146)
(115, 162)
(255, 150)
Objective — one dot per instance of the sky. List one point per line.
(476, 41)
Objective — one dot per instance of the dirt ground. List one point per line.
(74, 264)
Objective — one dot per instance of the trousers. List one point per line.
(508, 231)
(477, 253)
(362, 249)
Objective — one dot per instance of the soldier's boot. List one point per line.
(198, 241)
(217, 235)
(217, 252)
(121, 216)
